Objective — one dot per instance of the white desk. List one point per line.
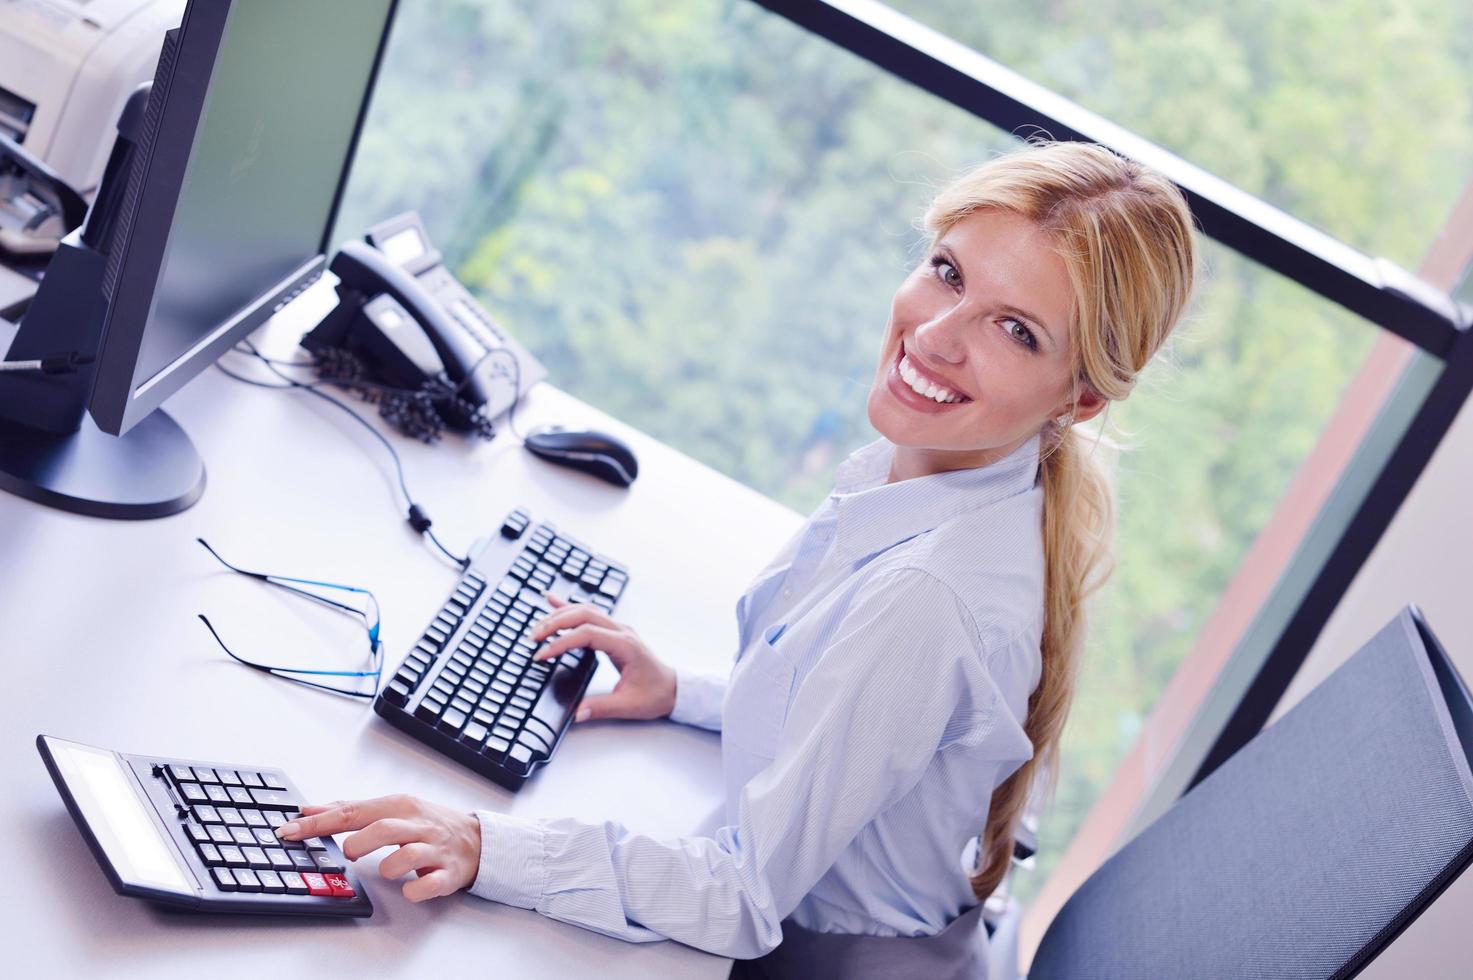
(102, 645)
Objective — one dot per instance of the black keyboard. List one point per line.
(200, 835)
(469, 687)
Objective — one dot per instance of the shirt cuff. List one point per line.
(698, 700)
(512, 868)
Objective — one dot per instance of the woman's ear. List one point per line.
(1089, 404)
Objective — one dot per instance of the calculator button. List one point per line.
(339, 885)
(293, 882)
(274, 818)
(256, 857)
(271, 882)
(247, 880)
(264, 837)
(238, 794)
(302, 861)
(275, 798)
(315, 844)
(316, 884)
(242, 835)
(205, 813)
(279, 859)
(217, 793)
(232, 856)
(205, 774)
(196, 831)
(219, 833)
(251, 778)
(210, 854)
(228, 777)
(224, 879)
(273, 780)
(326, 863)
(254, 818)
(231, 815)
(182, 774)
(193, 792)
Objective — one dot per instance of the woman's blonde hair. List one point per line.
(1125, 234)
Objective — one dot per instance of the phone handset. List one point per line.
(362, 267)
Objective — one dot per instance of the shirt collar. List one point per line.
(872, 515)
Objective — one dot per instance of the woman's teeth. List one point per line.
(921, 386)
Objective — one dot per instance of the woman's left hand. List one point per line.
(441, 844)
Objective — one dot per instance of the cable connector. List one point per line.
(60, 363)
(418, 519)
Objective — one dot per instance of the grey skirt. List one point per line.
(958, 952)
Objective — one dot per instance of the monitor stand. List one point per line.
(152, 470)
(50, 449)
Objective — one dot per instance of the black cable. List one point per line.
(417, 518)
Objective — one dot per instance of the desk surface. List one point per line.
(102, 645)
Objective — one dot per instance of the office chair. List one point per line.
(1309, 850)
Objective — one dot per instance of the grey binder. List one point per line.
(1306, 852)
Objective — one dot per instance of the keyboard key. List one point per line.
(247, 880)
(224, 879)
(339, 885)
(316, 884)
(452, 719)
(293, 882)
(429, 709)
(271, 882)
(474, 734)
(496, 746)
(397, 691)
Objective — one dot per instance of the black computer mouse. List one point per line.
(595, 453)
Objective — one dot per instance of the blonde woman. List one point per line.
(907, 661)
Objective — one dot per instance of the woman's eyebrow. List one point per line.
(1005, 307)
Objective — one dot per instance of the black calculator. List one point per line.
(200, 835)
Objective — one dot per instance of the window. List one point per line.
(695, 214)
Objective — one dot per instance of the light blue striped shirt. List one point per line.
(885, 661)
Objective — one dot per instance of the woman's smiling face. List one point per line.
(978, 354)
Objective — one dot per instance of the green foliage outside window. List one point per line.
(695, 214)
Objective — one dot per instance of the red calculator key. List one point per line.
(317, 885)
(339, 885)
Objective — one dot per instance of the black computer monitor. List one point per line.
(218, 217)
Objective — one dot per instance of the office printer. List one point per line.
(66, 68)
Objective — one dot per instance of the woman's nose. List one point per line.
(941, 337)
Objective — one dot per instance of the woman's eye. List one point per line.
(946, 272)
(1021, 334)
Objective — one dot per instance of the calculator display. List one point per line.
(100, 785)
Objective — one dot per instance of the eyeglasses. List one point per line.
(370, 618)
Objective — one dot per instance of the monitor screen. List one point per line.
(268, 125)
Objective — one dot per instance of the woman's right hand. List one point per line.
(646, 687)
